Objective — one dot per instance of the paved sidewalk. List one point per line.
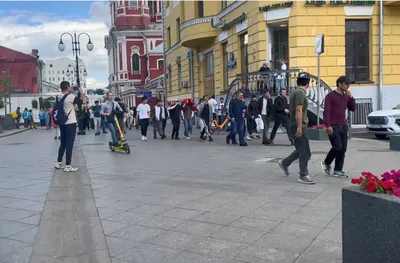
(7, 133)
(172, 201)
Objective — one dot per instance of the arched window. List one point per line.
(63, 72)
(135, 62)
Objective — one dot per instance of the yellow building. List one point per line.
(212, 41)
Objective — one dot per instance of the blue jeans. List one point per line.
(113, 132)
(237, 127)
(188, 126)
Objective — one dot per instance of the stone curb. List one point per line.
(13, 133)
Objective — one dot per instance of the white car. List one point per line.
(384, 123)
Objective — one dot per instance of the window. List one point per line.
(135, 62)
(49, 71)
(63, 78)
(179, 76)
(170, 78)
(63, 72)
(58, 78)
(224, 4)
(72, 72)
(178, 30)
(244, 39)
(51, 65)
(168, 37)
(133, 3)
(209, 64)
(225, 66)
(357, 50)
(151, 7)
(58, 72)
(200, 9)
(80, 71)
(160, 64)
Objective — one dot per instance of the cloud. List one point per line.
(25, 30)
(92, 83)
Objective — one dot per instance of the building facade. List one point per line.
(57, 70)
(22, 69)
(207, 43)
(134, 47)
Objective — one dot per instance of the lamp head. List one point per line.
(61, 46)
(90, 45)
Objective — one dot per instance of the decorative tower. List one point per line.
(134, 55)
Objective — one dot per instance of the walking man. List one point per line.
(108, 109)
(205, 115)
(68, 130)
(143, 117)
(97, 117)
(187, 109)
(252, 114)
(175, 115)
(281, 115)
(266, 109)
(298, 128)
(336, 104)
(159, 115)
(237, 111)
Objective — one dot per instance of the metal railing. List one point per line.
(195, 21)
(363, 109)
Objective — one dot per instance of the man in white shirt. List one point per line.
(143, 116)
(220, 108)
(213, 104)
(265, 108)
(281, 78)
(158, 114)
(68, 130)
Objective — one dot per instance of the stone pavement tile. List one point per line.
(197, 228)
(33, 220)
(12, 228)
(279, 185)
(147, 253)
(118, 246)
(7, 200)
(129, 217)
(175, 240)
(27, 236)
(330, 235)
(244, 235)
(240, 206)
(275, 212)
(60, 180)
(102, 202)
(199, 206)
(18, 256)
(182, 213)
(4, 209)
(292, 200)
(150, 209)
(23, 204)
(305, 195)
(336, 223)
(69, 238)
(17, 215)
(322, 252)
(292, 230)
(169, 201)
(36, 208)
(161, 222)
(105, 213)
(275, 248)
(217, 247)
(8, 245)
(98, 256)
(69, 194)
(320, 217)
(110, 227)
(186, 257)
(216, 199)
(71, 210)
(316, 188)
(335, 204)
(137, 233)
(212, 217)
(256, 223)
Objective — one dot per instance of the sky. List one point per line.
(38, 25)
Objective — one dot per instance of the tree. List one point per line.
(5, 91)
(1, 101)
(99, 92)
(34, 104)
(41, 103)
(46, 104)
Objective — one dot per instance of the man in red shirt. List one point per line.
(336, 104)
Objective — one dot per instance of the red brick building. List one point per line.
(21, 68)
(134, 47)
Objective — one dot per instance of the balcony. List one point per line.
(392, 3)
(198, 32)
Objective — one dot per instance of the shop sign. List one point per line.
(275, 6)
(340, 2)
(147, 94)
(235, 21)
(20, 91)
(232, 62)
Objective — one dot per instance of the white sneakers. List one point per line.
(68, 168)
(144, 138)
(187, 137)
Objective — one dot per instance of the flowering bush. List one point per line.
(389, 183)
(319, 127)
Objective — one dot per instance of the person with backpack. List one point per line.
(64, 116)
(25, 117)
(16, 115)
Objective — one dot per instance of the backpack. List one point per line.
(14, 114)
(59, 116)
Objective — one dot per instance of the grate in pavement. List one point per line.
(374, 150)
(319, 152)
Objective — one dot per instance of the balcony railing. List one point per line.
(195, 21)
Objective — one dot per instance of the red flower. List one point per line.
(357, 180)
(371, 186)
(390, 184)
(397, 192)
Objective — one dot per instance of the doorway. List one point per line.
(209, 89)
(278, 44)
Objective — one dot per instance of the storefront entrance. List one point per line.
(278, 44)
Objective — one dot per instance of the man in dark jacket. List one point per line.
(121, 114)
(175, 115)
(266, 109)
(159, 114)
(252, 114)
(237, 111)
(281, 115)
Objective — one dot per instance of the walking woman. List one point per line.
(54, 126)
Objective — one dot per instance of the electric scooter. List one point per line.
(123, 145)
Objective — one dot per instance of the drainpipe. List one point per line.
(380, 86)
(147, 57)
(164, 56)
(191, 72)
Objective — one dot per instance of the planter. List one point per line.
(395, 143)
(370, 227)
(317, 135)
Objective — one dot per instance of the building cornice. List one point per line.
(195, 21)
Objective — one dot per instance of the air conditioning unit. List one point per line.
(184, 84)
(216, 22)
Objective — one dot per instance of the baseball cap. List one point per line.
(343, 80)
(303, 75)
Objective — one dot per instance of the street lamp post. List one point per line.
(68, 73)
(76, 50)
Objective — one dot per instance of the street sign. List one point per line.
(319, 44)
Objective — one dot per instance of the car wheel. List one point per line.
(380, 136)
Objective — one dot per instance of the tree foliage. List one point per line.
(6, 85)
(46, 104)
(1, 101)
(99, 92)
(34, 104)
(41, 103)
